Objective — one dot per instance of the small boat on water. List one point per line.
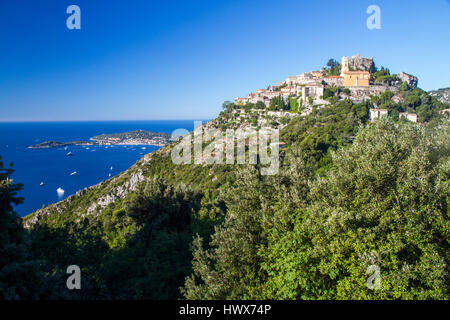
(68, 154)
(111, 168)
(74, 173)
(41, 184)
(60, 192)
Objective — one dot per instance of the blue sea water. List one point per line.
(54, 168)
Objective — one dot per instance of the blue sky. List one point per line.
(143, 60)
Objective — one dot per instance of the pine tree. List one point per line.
(20, 276)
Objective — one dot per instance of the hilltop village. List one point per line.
(355, 78)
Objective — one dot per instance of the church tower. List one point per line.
(344, 65)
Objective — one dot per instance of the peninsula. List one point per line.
(138, 137)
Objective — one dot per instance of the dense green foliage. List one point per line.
(278, 103)
(383, 76)
(384, 202)
(349, 194)
(415, 101)
(139, 252)
(333, 68)
(19, 273)
(325, 130)
(294, 104)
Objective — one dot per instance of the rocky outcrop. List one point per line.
(411, 80)
(358, 63)
(359, 94)
(280, 114)
(443, 95)
(131, 184)
(117, 193)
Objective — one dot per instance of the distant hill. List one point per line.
(442, 95)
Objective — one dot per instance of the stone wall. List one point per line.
(358, 94)
(334, 81)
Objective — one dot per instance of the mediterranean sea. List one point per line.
(44, 171)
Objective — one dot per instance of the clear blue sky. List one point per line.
(181, 59)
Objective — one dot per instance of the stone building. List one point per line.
(378, 113)
(313, 91)
(318, 74)
(344, 65)
(356, 63)
(289, 90)
(334, 81)
(290, 81)
(356, 71)
(409, 116)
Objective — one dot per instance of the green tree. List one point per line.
(277, 104)
(413, 101)
(260, 105)
(293, 104)
(231, 268)
(20, 274)
(384, 203)
(386, 96)
(333, 67)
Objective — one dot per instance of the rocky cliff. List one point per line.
(442, 95)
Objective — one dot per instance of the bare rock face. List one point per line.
(443, 95)
(360, 94)
(358, 63)
(117, 193)
(411, 80)
(97, 206)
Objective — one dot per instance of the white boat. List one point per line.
(41, 184)
(74, 173)
(68, 154)
(111, 168)
(60, 192)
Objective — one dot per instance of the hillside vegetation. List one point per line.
(350, 194)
